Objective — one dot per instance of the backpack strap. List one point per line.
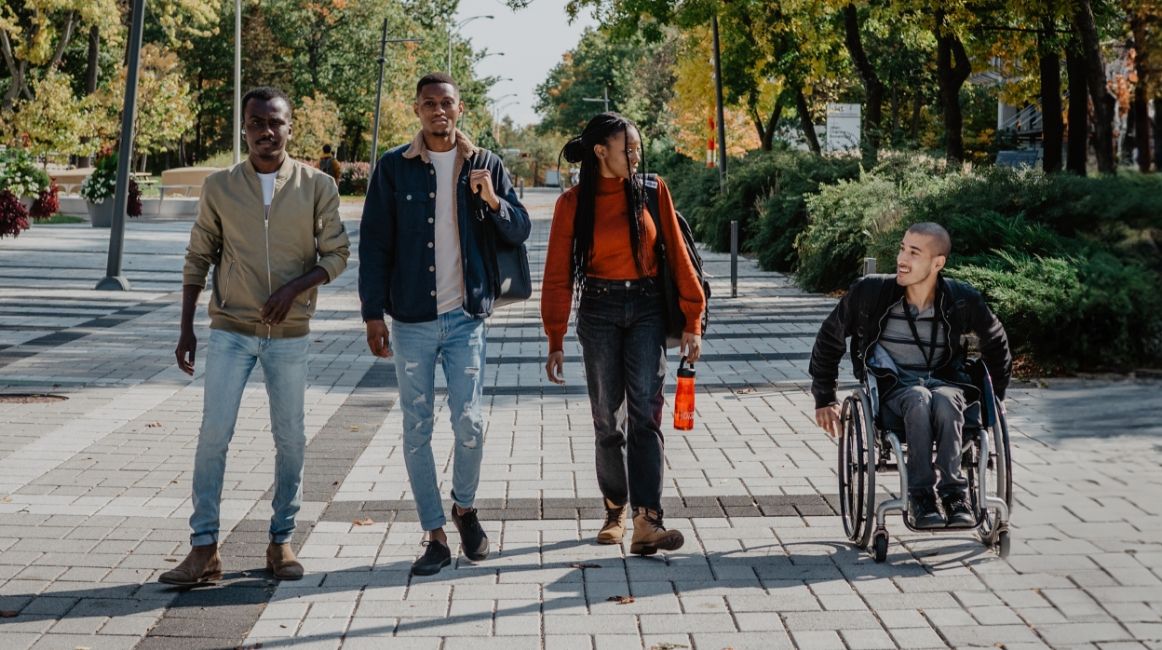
(650, 186)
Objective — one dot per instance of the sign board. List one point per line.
(842, 127)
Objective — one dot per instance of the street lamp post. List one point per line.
(383, 41)
(237, 81)
(113, 280)
(718, 99)
(458, 26)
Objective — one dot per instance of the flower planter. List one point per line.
(101, 214)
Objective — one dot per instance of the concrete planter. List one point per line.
(101, 214)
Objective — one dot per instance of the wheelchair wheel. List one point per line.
(852, 467)
(858, 465)
(1000, 481)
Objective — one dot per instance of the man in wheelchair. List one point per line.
(906, 331)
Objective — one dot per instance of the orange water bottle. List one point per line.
(684, 397)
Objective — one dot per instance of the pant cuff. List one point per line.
(433, 524)
(280, 538)
(203, 539)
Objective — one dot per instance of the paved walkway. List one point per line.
(94, 493)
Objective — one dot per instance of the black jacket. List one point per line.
(861, 314)
(396, 252)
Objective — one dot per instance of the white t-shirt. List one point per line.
(449, 267)
(267, 181)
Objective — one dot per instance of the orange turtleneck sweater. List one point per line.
(612, 257)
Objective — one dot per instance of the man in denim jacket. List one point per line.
(422, 260)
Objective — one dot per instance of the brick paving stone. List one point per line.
(99, 495)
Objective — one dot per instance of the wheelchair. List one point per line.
(873, 444)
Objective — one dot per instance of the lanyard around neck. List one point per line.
(930, 354)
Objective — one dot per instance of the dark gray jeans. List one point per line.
(933, 412)
(622, 333)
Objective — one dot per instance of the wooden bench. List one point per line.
(184, 181)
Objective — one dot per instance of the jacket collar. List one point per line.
(284, 171)
(419, 148)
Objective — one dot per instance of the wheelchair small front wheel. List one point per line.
(1003, 542)
(880, 546)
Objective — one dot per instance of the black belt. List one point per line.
(620, 285)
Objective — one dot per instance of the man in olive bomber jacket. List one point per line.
(270, 229)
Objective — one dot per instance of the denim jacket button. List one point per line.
(433, 294)
(431, 220)
(431, 269)
(409, 197)
(431, 195)
(431, 244)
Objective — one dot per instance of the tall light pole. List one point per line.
(383, 41)
(113, 280)
(496, 114)
(604, 99)
(459, 25)
(718, 100)
(237, 81)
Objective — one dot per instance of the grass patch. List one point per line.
(58, 219)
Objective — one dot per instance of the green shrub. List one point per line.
(692, 185)
(774, 212)
(848, 218)
(1081, 312)
(843, 221)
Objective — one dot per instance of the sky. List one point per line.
(532, 40)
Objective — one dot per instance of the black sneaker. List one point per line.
(957, 511)
(922, 511)
(436, 556)
(472, 537)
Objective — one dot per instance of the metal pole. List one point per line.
(733, 259)
(607, 99)
(113, 280)
(449, 47)
(378, 98)
(718, 99)
(237, 81)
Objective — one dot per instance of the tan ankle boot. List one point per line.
(200, 566)
(649, 536)
(614, 529)
(281, 561)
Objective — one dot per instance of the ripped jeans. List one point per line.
(456, 340)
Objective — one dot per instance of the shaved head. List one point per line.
(938, 234)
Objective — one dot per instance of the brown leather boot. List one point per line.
(650, 536)
(202, 565)
(281, 561)
(614, 529)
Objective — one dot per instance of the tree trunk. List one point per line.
(1078, 111)
(894, 120)
(806, 123)
(1051, 121)
(92, 69)
(873, 87)
(1157, 134)
(767, 130)
(1095, 78)
(1141, 107)
(952, 69)
(15, 70)
(917, 104)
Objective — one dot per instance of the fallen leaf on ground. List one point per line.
(153, 425)
(6, 613)
(745, 390)
(171, 559)
(366, 521)
(354, 427)
(6, 499)
(666, 645)
(585, 565)
(621, 600)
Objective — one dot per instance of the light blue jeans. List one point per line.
(456, 341)
(230, 359)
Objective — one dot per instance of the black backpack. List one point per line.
(675, 319)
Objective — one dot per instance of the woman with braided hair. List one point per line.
(603, 252)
